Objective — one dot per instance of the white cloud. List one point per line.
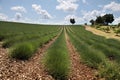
(42, 12)
(77, 19)
(117, 20)
(70, 16)
(67, 5)
(112, 6)
(3, 16)
(18, 16)
(88, 15)
(18, 9)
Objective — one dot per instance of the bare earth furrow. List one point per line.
(79, 71)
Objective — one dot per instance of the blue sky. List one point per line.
(57, 11)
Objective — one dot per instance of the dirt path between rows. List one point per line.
(101, 33)
(32, 69)
(79, 71)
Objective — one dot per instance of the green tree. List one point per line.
(99, 20)
(108, 18)
(85, 24)
(92, 22)
(72, 21)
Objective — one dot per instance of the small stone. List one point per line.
(23, 76)
(8, 79)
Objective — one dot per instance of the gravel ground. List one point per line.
(32, 69)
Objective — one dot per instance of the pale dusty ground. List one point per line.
(101, 33)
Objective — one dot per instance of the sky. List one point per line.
(57, 11)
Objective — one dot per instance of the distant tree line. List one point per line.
(100, 20)
(103, 20)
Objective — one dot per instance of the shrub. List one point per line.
(57, 59)
(89, 55)
(8, 43)
(97, 26)
(1, 37)
(117, 32)
(110, 71)
(107, 29)
(23, 51)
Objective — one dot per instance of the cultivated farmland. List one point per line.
(56, 52)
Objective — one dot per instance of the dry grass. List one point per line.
(101, 33)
